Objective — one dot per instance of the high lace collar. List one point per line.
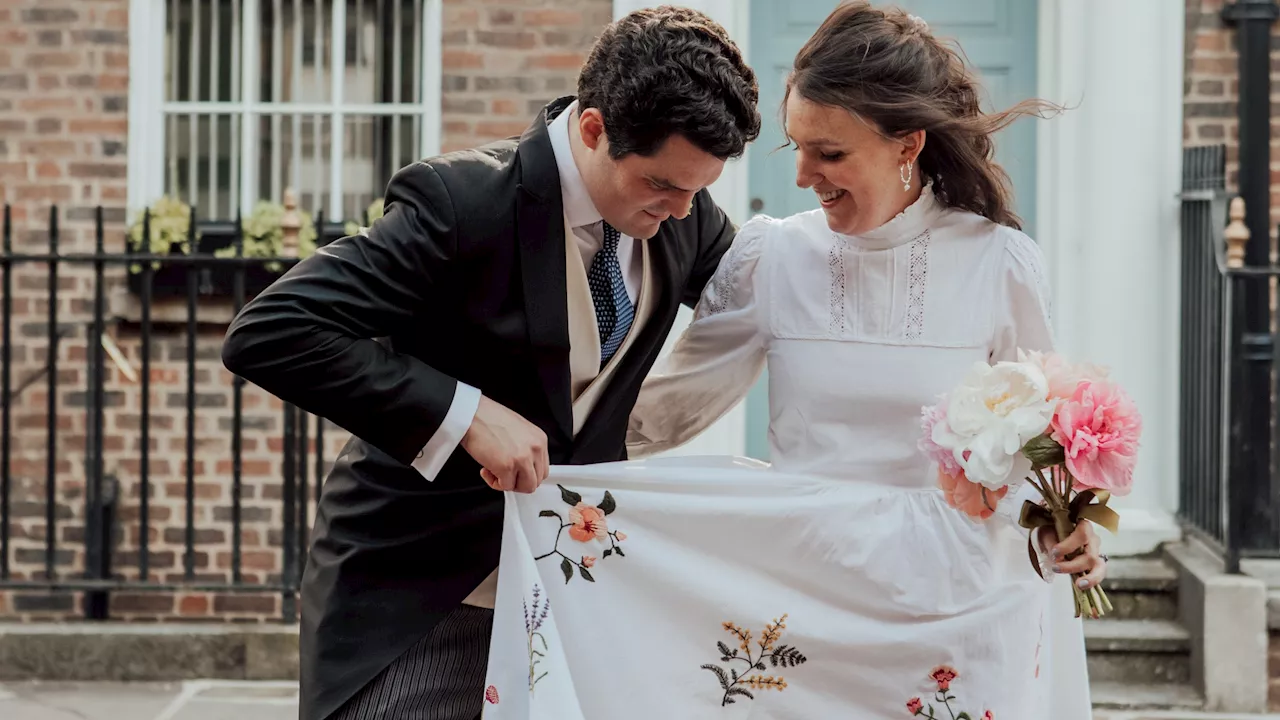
(903, 227)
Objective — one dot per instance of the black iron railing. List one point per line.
(143, 511)
(1230, 460)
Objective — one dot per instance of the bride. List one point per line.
(866, 310)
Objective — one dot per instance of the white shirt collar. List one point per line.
(578, 207)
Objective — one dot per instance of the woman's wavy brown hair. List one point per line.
(888, 69)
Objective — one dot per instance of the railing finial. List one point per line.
(290, 225)
(1236, 234)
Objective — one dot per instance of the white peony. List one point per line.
(990, 416)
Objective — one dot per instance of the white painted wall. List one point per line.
(1108, 176)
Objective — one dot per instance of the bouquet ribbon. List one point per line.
(1081, 507)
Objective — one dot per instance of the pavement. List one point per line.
(190, 700)
(244, 700)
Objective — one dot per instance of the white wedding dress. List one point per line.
(859, 333)
(836, 583)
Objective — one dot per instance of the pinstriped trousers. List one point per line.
(440, 677)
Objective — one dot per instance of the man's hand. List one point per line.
(512, 451)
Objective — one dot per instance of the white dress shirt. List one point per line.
(588, 230)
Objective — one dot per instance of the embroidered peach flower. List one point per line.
(969, 497)
(943, 675)
(588, 561)
(587, 522)
(914, 706)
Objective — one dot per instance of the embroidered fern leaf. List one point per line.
(787, 656)
(725, 683)
(724, 649)
(739, 691)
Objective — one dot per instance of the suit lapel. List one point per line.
(540, 215)
(663, 296)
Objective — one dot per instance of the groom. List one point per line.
(499, 318)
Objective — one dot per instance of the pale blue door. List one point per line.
(999, 39)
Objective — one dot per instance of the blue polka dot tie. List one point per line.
(614, 311)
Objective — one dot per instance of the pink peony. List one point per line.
(1063, 377)
(967, 496)
(930, 418)
(1098, 426)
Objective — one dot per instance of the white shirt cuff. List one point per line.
(466, 400)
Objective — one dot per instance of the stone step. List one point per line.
(1138, 652)
(1142, 589)
(1126, 696)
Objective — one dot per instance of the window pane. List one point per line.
(202, 51)
(296, 56)
(375, 147)
(295, 154)
(202, 159)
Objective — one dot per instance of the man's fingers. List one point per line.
(527, 477)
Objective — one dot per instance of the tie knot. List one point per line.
(611, 236)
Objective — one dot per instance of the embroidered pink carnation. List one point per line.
(967, 496)
(943, 675)
(914, 706)
(931, 417)
(1099, 427)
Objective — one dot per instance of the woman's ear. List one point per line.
(912, 146)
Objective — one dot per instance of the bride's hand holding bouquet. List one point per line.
(1066, 429)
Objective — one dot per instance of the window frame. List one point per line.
(148, 108)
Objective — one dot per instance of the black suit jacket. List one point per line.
(463, 279)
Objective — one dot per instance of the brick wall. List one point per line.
(505, 59)
(1212, 90)
(63, 141)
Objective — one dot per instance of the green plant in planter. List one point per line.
(170, 223)
(374, 212)
(264, 235)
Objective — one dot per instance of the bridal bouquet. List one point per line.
(1067, 429)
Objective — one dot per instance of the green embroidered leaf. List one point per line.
(607, 552)
(760, 666)
(964, 716)
(585, 575)
(549, 513)
(607, 505)
(567, 568)
(619, 551)
(720, 673)
(735, 675)
(570, 497)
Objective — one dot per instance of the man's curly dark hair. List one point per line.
(670, 70)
